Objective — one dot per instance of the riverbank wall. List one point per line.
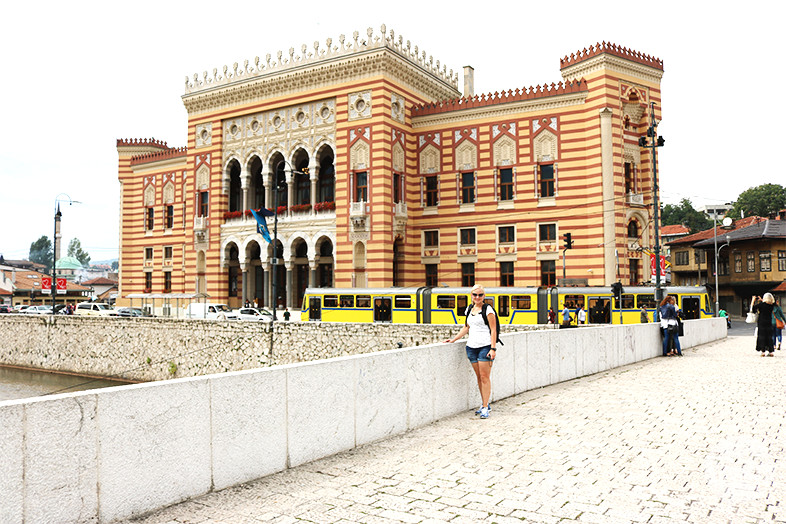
(116, 453)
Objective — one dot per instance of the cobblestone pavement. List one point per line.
(696, 439)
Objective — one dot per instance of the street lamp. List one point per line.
(58, 214)
(726, 223)
(654, 143)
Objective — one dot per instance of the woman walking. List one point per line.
(481, 344)
(669, 327)
(779, 321)
(764, 306)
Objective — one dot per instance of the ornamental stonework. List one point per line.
(204, 134)
(360, 105)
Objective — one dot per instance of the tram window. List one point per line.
(573, 301)
(331, 301)
(347, 301)
(647, 301)
(403, 302)
(628, 302)
(503, 303)
(446, 301)
(364, 301)
(461, 305)
(521, 301)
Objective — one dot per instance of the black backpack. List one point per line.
(485, 319)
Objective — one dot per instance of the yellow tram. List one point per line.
(514, 305)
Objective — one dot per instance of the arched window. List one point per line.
(633, 229)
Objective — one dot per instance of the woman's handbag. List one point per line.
(779, 323)
(752, 317)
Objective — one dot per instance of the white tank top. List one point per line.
(479, 332)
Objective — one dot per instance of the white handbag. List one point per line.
(751, 317)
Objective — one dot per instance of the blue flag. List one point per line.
(262, 223)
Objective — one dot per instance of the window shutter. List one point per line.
(421, 192)
(514, 183)
(458, 188)
(556, 180)
(496, 184)
(475, 196)
(439, 189)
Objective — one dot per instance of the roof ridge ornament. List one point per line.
(197, 82)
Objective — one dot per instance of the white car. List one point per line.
(99, 309)
(250, 313)
(38, 310)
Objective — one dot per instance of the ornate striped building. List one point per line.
(389, 175)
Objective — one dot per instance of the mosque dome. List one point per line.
(68, 263)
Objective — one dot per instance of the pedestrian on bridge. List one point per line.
(481, 344)
(765, 325)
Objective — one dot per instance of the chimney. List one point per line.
(469, 81)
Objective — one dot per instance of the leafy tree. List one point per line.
(686, 215)
(75, 250)
(760, 201)
(115, 265)
(41, 252)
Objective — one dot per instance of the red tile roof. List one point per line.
(100, 281)
(27, 280)
(709, 233)
(676, 229)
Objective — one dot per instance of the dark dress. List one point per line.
(764, 325)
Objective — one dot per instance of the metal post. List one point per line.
(715, 244)
(53, 284)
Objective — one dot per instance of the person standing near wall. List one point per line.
(765, 325)
(566, 318)
(581, 315)
(669, 326)
(481, 344)
(779, 321)
(644, 317)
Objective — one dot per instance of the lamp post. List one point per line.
(726, 223)
(654, 143)
(58, 214)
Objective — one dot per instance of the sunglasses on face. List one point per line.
(478, 294)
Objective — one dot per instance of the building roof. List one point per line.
(764, 229)
(676, 229)
(24, 264)
(100, 281)
(722, 232)
(780, 288)
(27, 280)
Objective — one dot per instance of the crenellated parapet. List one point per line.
(330, 51)
(517, 95)
(612, 49)
(141, 142)
(172, 152)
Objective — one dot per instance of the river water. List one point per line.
(23, 383)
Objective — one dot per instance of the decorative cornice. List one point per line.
(586, 67)
(528, 93)
(331, 53)
(351, 68)
(501, 109)
(612, 49)
(158, 156)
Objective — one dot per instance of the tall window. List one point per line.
(737, 262)
(167, 281)
(467, 236)
(467, 188)
(148, 253)
(149, 221)
(167, 252)
(361, 187)
(233, 281)
(547, 232)
(630, 183)
(468, 274)
(635, 271)
(327, 177)
(751, 261)
(507, 234)
(397, 188)
(169, 217)
(699, 257)
(506, 274)
(781, 260)
(548, 272)
(432, 190)
(203, 201)
(506, 184)
(432, 275)
(633, 229)
(723, 266)
(303, 188)
(765, 261)
(546, 180)
(148, 282)
(681, 258)
(431, 238)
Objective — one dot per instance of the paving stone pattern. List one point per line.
(697, 439)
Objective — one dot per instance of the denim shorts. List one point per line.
(478, 354)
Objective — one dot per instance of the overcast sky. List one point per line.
(76, 76)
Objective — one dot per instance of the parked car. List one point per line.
(209, 311)
(129, 312)
(20, 308)
(38, 310)
(7, 308)
(95, 309)
(250, 313)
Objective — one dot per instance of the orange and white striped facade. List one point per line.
(408, 181)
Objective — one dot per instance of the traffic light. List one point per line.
(642, 141)
(616, 290)
(568, 241)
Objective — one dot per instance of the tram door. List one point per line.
(691, 307)
(315, 308)
(383, 312)
(599, 311)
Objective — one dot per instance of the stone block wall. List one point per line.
(145, 349)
